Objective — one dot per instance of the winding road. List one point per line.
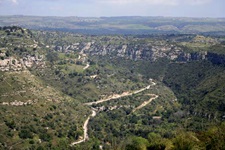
(112, 97)
(116, 96)
(85, 138)
(146, 102)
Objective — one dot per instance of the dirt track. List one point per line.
(146, 102)
(112, 97)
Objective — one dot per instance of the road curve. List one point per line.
(94, 113)
(146, 102)
(87, 66)
(85, 127)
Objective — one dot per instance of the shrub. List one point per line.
(45, 137)
(24, 134)
(137, 143)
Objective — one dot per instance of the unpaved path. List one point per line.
(116, 96)
(87, 66)
(94, 113)
(85, 127)
(146, 102)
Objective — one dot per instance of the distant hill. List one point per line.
(119, 25)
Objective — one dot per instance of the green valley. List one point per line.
(65, 90)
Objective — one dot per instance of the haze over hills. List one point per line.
(119, 25)
(96, 8)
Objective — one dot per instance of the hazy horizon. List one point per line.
(114, 8)
(112, 16)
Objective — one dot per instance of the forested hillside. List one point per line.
(62, 90)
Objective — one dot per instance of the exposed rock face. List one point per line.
(19, 103)
(142, 52)
(13, 64)
(185, 57)
(145, 51)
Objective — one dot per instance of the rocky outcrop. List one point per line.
(144, 51)
(150, 51)
(11, 63)
(19, 103)
(185, 57)
(15, 64)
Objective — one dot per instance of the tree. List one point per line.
(52, 56)
(214, 138)
(25, 134)
(156, 142)
(45, 137)
(137, 143)
(11, 124)
(185, 141)
(8, 54)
